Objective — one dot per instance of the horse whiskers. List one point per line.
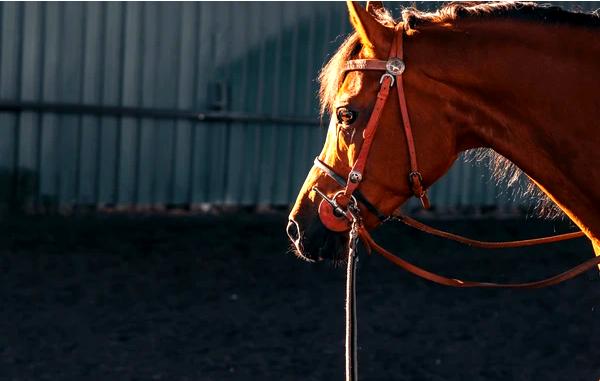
(294, 250)
(340, 258)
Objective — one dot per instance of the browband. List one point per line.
(365, 65)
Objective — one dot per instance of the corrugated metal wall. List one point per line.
(256, 58)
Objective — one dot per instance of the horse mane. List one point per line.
(517, 184)
(504, 171)
(500, 9)
(330, 76)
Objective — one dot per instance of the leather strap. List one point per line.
(368, 135)
(484, 244)
(414, 176)
(452, 282)
(365, 64)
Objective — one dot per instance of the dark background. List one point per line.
(220, 297)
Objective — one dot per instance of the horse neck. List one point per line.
(529, 91)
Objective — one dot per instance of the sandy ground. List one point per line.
(220, 298)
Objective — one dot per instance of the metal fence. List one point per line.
(139, 105)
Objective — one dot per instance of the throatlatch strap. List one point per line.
(414, 176)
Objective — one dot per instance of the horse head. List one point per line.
(350, 96)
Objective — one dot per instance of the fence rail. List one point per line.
(153, 113)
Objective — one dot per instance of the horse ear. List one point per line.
(370, 31)
(373, 7)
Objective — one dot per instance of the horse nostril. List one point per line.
(293, 231)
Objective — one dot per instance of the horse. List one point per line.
(515, 77)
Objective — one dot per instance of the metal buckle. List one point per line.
(387, 75)
(413, 174)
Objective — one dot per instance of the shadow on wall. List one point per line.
(19, 193)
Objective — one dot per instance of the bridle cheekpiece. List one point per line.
(393, 68)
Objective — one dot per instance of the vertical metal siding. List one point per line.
(265, 56)
(9, 79)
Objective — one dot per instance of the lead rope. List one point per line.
(351, 341)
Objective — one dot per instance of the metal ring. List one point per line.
(337, 209)
(353, 201)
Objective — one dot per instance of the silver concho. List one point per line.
(355, 177)
(395, 66)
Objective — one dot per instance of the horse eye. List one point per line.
(345, 116)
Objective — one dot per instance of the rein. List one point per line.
(341, 212)
(351, 341)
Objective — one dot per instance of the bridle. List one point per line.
(393, 69)
(342, 211)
